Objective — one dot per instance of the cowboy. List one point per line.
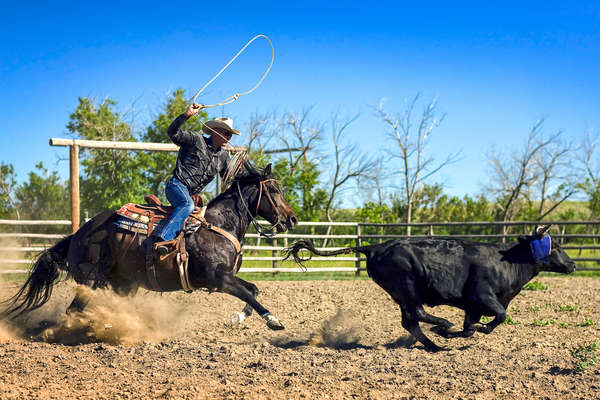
(199, 160)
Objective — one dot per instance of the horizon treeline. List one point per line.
(536, 180)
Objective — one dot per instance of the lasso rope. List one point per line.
(236, 96)
(233, 98)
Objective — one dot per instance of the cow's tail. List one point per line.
(302, 244)
(38, 288)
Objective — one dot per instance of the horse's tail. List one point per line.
(303, 244)
(38, 288)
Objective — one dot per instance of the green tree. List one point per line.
(111, 177)
(301, 188)
(158, 166)
(374, 212)
(7, 184)
(43, 196)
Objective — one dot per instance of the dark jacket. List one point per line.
(197, 163)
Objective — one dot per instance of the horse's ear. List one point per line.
(267, 170)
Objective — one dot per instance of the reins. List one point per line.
(261, 231)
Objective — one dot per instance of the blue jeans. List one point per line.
(183, 205)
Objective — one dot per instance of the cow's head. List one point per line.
(556, 259)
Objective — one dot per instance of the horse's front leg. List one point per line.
(247, 292)
(239, 317)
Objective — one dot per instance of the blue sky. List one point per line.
(494, 69)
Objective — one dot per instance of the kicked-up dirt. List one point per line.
(343, 340)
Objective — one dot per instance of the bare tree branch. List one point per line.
(296, 131)
(349, 163)
(528, 172)
(415, 165)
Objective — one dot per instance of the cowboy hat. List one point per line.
(225, 124)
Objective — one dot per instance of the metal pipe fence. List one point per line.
(579, 238)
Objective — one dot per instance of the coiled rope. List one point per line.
(233, 98)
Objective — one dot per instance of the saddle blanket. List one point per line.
(132, 225)
(146, 218)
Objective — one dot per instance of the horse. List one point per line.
(101, 254)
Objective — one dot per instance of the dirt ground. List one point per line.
(343, 339)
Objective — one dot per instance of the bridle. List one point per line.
(262, 232)
(260, 192)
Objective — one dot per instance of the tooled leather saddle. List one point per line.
(144, 218)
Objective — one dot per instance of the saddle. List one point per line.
(144, 218)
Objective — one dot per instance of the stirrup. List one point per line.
(162, 250)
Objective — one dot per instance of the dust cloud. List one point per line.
(114, 319)
(108, 318)
(337, 332)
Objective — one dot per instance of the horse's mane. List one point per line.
(247, 172)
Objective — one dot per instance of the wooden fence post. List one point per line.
(357, 262)
(74, 173)
(274, 254)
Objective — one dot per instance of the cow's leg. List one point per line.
(410, 322)
(239, 317)
(404, 294)
(491, 306)
(471, 319)
(424, 316)
(233, 285)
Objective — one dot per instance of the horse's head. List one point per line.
(271, 204)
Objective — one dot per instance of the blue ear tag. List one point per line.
(540, 248)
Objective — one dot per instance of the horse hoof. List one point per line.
(237, 318)
(273, 323)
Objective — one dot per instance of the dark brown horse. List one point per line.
(101, 254)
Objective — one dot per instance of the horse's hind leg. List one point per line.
(239, 288)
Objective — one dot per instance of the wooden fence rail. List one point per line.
(354, 234)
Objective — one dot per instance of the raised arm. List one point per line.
(178, 136)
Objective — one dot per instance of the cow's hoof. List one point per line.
(434, 348)
(446, 332)
(273, 323)
(487, 329)
(237, 318)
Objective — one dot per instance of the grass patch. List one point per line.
(14, 277)
(510, 321)
(584, 357)
(533, 308)
(587, 322)
(567, 308)
(302, 276)
(542, 322)
(535, 285)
